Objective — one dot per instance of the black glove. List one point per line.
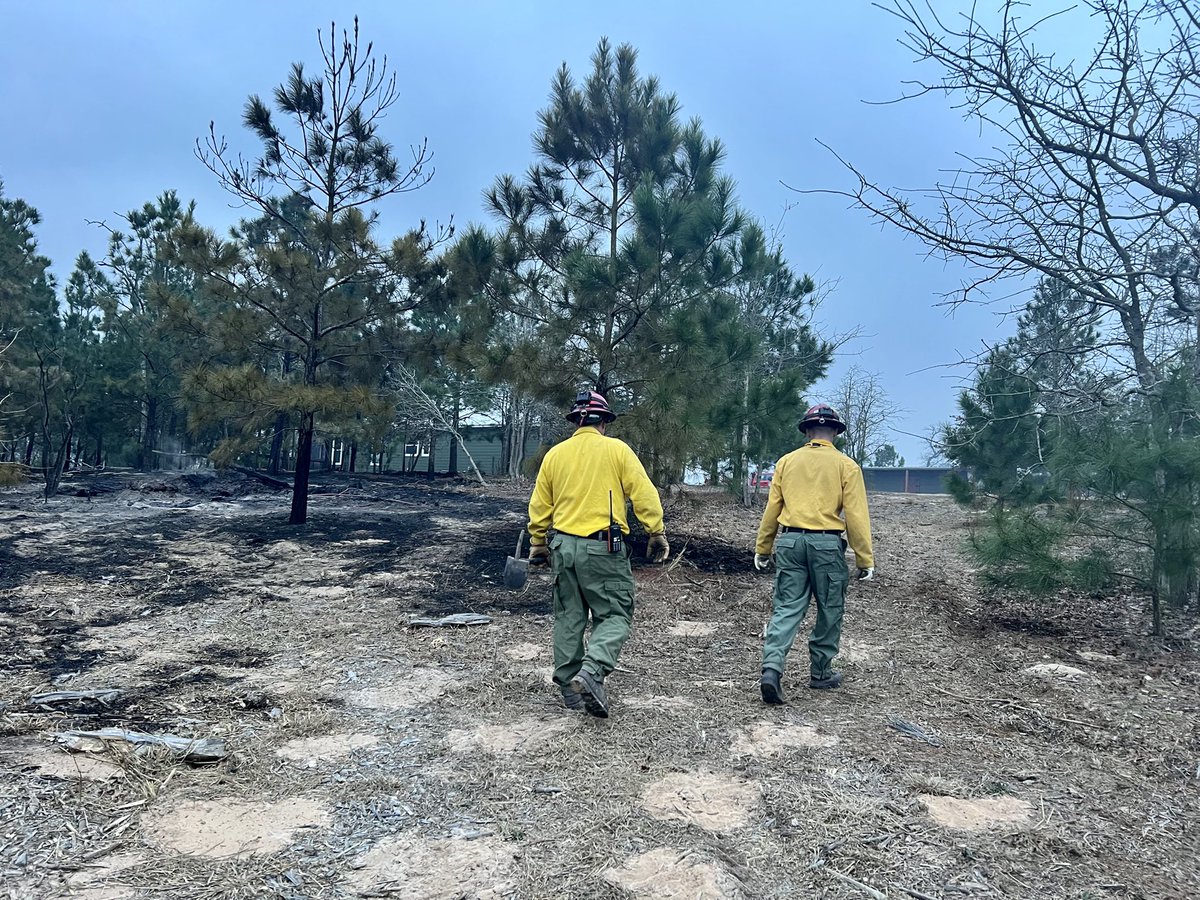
(539, 555)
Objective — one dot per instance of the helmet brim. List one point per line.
(578, 417)
(838, 427)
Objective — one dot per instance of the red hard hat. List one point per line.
(822, 416)
(590, 407)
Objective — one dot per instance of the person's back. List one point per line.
(587, 477)
(581, 490)
(814, 486)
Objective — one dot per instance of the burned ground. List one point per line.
(982, 746)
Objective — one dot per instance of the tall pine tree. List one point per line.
(306, 288)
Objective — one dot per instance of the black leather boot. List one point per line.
(769, 683)
(833, 680)
(591, 688)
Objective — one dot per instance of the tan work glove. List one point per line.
(658, 549)
(539, 555)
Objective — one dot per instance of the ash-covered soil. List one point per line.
(981, 746)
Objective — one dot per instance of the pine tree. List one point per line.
(619, 221)
(304, 295)
(146, 354)
(999, 435)
(31, 331)
(624, 264)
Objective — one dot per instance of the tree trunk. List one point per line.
(304, 445)
(742, 470)
(1161, 583)
(429, 466)
(54, 472)
(454, 441)
(30, 442)
(521, 438)
(277, 444)
(147, 458)
(508, 427)
(353, 456)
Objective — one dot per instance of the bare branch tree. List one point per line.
(1095, 185)
(417, 405)
(866, 409)
(1099, 173)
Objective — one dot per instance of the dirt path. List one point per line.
(978, 749)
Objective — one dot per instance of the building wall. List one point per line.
(908, 480)
(486, 444)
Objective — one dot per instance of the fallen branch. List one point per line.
(195, 750)
(1017, 704)
(914, 731)
(451, 621)
(277, 483)
(49, 698)
(866, 889)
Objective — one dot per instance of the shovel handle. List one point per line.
(520, 537)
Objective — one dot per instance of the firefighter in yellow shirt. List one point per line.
(581, 491)
(813, 487)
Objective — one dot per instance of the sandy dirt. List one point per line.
(983, 746)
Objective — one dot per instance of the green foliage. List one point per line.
(29, 322)
(1028, 549)
(48, 350)
(12, 474)
(143, 352)
(999, 434)
(625, 264)
(961, 490)
(302, 305)
(887, 457)
(1041, 424)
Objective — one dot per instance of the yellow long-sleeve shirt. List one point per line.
(575, 482)
(813, 487)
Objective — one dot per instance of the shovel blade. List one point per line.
(516, 572)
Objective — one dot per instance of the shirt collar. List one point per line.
(585, 429)
(820, 442)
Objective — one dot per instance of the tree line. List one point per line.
(619, 260)
(1081, 433)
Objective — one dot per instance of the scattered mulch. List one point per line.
(369, 757)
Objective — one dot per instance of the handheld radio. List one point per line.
(615, 538)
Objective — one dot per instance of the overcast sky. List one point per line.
(103, 103)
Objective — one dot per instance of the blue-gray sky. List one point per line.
(103, 103)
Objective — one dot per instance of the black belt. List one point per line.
(786, 529)
(594, 536)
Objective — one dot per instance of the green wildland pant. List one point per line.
(807, 565)
(588, 580)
